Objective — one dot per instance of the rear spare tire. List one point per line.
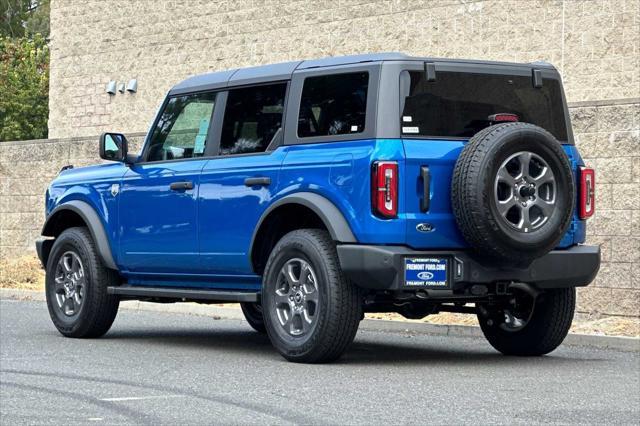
(513, 192)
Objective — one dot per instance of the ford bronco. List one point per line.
(314, 191)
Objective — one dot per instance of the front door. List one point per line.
(237, 185)
(158, 195)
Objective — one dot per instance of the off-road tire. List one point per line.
(545, 331)
(253, 314)
(340, 308)
(98, 309)
(472, 193)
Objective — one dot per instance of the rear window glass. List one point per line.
(333, 105)
(459, 104)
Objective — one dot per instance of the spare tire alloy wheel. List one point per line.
(513, 193)
(525, 189)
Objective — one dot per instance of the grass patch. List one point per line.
(23, 272)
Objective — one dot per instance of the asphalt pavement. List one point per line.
(170, 368)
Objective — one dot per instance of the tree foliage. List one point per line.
(13, 15)
(24, 88)
(24, 69)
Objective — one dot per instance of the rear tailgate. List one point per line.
(434, 227)
(440, 115)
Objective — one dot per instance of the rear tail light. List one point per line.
(384, 189)
(587, 192)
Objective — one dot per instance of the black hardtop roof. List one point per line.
(284, 70)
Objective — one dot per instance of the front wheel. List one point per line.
(527, 325)
(76, 286)
(311, 311)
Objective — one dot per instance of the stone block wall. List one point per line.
(608, 137)
(26, 169)
(595, 44)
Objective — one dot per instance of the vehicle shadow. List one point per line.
(427, 350)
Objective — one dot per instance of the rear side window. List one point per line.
(333, 105)
(459, 104)
(252, 118)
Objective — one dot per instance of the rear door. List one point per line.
(158, 196)
(439, 115)
(237, 185)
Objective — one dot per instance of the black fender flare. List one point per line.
(330, 215)
(91, 218)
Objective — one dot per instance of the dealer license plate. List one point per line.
(426, 272)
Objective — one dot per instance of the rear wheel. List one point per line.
(76, 286)
(527, 325)
(253, 314)
(311, 311)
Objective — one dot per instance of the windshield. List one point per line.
(460, 104)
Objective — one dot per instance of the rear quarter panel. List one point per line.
(340, 171)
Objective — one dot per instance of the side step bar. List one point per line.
(183, 294)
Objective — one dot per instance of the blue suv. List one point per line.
(311, 192)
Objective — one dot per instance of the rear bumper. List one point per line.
(382, 267)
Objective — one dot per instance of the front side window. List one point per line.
(333, 105)
(252, 118)
(182, 129)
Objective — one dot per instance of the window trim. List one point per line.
(297, 84)
(143, 158)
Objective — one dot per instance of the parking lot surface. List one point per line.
(161, 368)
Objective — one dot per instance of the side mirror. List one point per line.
(113, 147)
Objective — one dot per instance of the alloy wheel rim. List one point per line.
(296, 297)
(525, 192)
(70, 284)
(514, 321)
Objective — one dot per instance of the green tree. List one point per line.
(20, 18)
(13, 15)
(37, 21)
(24, 69)
(24, 88)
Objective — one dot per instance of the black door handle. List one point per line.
(425, 174)
(257, 181)
(181, 186)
